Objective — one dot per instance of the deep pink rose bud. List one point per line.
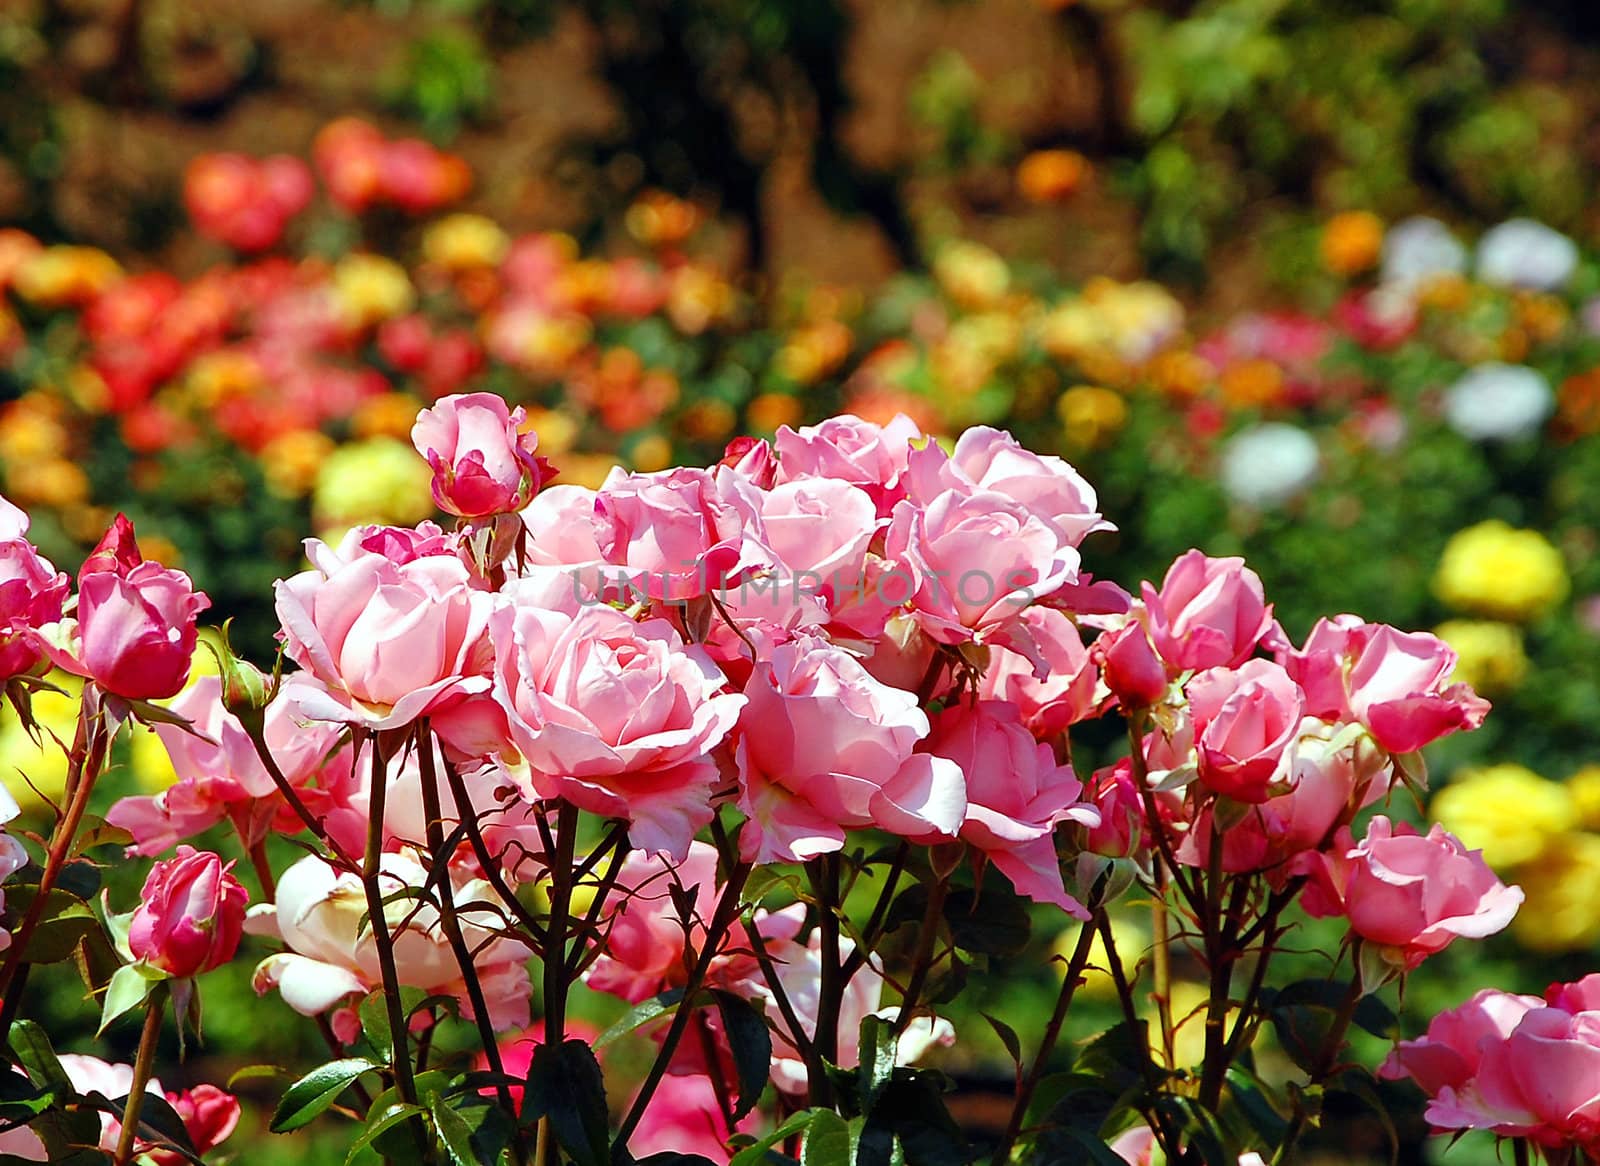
(482, 463)
(209, 1116)
(1130, 667)
(190, 916)
(135, 630)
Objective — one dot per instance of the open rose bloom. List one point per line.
(779, 754)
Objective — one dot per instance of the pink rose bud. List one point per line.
(1130, 667)
(482, 463)
(1209, 613)
(190, 916)
(209, 1116)
(135, 631)
(1410, 894)
(1245, 720)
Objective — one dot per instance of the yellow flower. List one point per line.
(1507, 811)
(558, 432)
(1584, 786)
(370, 288)
(1132, 941)
(380, 480)
(1090, 415)
(65, 275)
(26, 767)
(1351, 242)
(971, 274)
(291, 461)
(770, 411)
(1561, 911)
(651, 453)
(1489, 654)
(386, 415)
(460, 242)
(218, 376)
(1495, 570)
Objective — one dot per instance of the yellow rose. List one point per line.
(1496, 570)
(1489, 654)
(1507, 811)
(380, 480)
(1562, 909)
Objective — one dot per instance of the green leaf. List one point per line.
(565, 1082)
(755, 1154)
(98, 832)
(877, 1045)
(67, 919)
(380, 1123)
(255, 1073)
(1094, 1148)
(38, 1057)
(830, 1140)
(454, 1132)
(316, 1091)
(127, 990)
(640, 1015)
(751, 1042)
(1008, 1037)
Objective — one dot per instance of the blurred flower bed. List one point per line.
(1416, 438)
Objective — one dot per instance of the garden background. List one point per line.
(1176, 243)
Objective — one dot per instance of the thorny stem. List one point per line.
(1220, 956)
(869, 933)
(451, 923)
(727, 910)
(258, 862)
(371, 867)
(1154, 1118)
(1052, 1033)
(559, 864)
(480, 850)
(1326, 1057)
(923, 962)
(824, 874)
(88, 754)
(797, 1034)
(584, 953)
(253, 727)
(154, 1006)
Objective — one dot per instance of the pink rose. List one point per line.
(333, 956)
(1016, 795)
(969, 563)
(190, 915)
(849, 449)
(1331, 776)
(388, 641)
(1410, 894)
(209, 1115)
(1580, 996)
(483, 464)
(1136, 1146)
(643, 953)
(680, 533)
(684, 1117)
(1393, 682)
(1122, 815)
(220, 775)
(615, 716)
(1541, 1082)
(824, 748)
(990, 460)
(1244, 721)
(1449, 1054)
(1068, 695)
(135, 632)
(752, 458)
(1209, 613)
(31, 594)
(1130, 667)
(819, 530)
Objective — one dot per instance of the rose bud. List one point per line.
(482, 464)
(190, 916)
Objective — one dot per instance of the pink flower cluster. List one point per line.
(1518, 1066)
